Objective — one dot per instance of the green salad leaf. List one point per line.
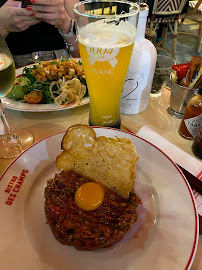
(44, 88)
(20, 88)
(27, 73)
(54, 62)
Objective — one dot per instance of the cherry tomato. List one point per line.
(34, 97)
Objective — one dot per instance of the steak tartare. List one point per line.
(86, 230)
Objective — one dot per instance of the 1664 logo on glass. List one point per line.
(102, 55)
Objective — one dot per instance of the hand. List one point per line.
(52, 12)
(13, 18)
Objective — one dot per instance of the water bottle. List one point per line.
(139, 78)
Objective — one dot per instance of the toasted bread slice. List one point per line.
(109, 161)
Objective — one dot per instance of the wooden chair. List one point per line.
(166, 12)
(194, 14)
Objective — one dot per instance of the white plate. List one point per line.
(20, 106)
(164, 237)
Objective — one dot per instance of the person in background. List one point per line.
(43, 30)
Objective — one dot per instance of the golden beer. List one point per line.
(105, 69)
(106, 33)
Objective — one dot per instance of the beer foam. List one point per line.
(5, 61)
(107, 33)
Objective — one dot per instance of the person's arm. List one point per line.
(15, 19)
(58, 13)
(72, 42)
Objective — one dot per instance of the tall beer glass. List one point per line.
(106, 32)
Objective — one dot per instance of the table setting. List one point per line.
(168, 231)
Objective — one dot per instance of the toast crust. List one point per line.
(109, 161)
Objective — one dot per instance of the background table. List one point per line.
(43, 124)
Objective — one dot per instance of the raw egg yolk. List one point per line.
(89, 196)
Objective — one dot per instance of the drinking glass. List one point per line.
(15, 140)
(106, 32)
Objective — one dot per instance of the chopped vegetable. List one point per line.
(23, 81)
(34, 97)
(19, 89)
(58, 81)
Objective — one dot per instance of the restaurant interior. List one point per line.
(187, 44)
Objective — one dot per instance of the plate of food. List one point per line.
(53, 85)
(108, 200)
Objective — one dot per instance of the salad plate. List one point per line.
(20, 106)
(165, 235)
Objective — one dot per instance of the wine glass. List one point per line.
(15, 140)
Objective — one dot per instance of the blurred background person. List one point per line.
(41, 31)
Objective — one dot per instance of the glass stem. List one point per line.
(7, 129)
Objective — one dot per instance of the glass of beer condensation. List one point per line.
(106, 32)
(15, 140)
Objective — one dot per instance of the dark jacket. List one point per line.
(39, 37)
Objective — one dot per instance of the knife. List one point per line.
(194, 182)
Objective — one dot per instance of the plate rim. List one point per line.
(196, 233)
